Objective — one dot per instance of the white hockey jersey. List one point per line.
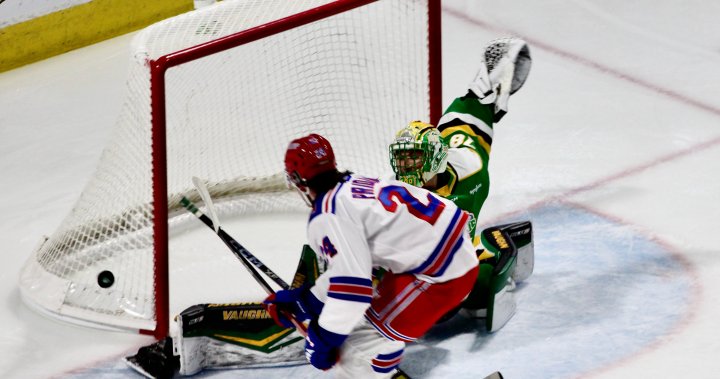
(365, 223)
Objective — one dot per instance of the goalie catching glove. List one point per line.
(505, 66)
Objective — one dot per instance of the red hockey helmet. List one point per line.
(306, 157)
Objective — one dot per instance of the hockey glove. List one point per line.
(322, 347)
(504, 68)
(299, 302)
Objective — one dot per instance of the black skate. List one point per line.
(155, 361)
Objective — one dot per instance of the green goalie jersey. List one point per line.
(467, 128)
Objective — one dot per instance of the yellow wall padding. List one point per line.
(79, 26)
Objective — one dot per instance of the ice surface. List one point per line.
(612, 149)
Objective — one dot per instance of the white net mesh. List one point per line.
(354, 78)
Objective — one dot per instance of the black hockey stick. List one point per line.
(213, 223)
(235, 247)
(240, 252)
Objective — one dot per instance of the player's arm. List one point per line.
(349, 274)
(466, 179)
(346, 284)
(467, 123)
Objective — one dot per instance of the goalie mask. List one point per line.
(418, 153)
(306, 158)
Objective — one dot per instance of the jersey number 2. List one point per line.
(392, 196)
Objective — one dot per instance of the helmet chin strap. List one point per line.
(305, 194)
(427, 176)
(293, 180)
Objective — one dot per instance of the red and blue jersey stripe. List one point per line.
(442, 255)
(384, 363)
(381, 319)
(351, 288)
(325, 203)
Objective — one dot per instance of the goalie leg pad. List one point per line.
(241, 334)
(492, 299)
(308, 268)
(521, 233)
(233, 335)
(492, 296)
(502, 307)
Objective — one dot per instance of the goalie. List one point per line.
(452, 161)
(245, 335)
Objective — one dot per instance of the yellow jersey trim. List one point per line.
(78, 26)
(467, 130)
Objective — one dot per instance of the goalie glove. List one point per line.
(505, 66)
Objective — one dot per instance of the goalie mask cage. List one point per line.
(218, 93)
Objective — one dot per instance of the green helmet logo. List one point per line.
(418, 153)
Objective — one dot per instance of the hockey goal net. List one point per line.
(218, 93)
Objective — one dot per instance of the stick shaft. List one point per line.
(241, 253)
(233, 244)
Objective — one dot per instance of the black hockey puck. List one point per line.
(106, 279)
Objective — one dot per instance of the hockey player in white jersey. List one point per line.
(357, 224)
(203, 337)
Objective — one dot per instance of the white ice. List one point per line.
(612, 149)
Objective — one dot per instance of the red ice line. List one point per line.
(588, 63)
(697, 287)
(619, 75)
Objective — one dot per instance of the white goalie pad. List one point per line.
(525, 263)
(200, 353)
(197, 353)
(503, 308)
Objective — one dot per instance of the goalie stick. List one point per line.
(240, 252)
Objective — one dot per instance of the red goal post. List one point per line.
(218, 93)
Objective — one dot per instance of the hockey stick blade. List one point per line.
(494, 375)
(205, 196)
